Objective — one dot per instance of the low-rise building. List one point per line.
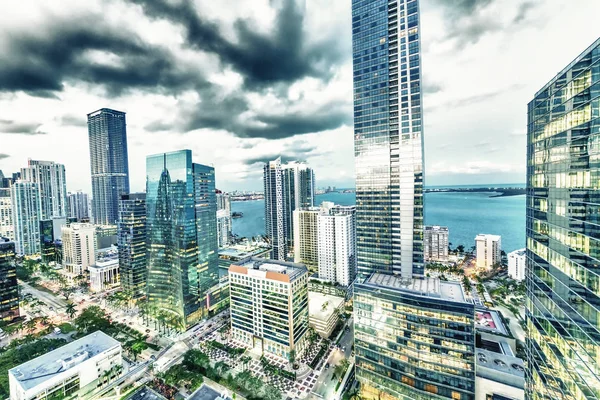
(500, 375)
(105, 273)
(234, 253)
(70, 371)
(516, 264)
(206, 392)
(269, 306)
(489, 250)
(324, 312)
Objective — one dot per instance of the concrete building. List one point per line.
(25, 198)
(79, 247)
(72, 370)
(435, 243)
(9, 290)
(79, 206)
(236, 252)
(489, 250)
(7, 228)
(337, 243)
(269, 306)
(104, 274)
(306, 241)
(298, 193)
(414, 339)
(223, 227)
(106, 236)
(516, 264)
(324, 312)
(51, 182)
(274, 209)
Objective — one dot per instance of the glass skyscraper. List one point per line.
(9, 291)
(109, 164)
(563, 234)
(25, 198)
(388, 136)
(131, 241)
(181, 237)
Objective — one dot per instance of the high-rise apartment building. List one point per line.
(274, 209)
(7, 228)
(337, 243)
(414, 339)
(79, 247)
(489, 250)
(131, 241)
(181, 237)
(516, 264)
(224, 222)
(51, 182)
(563, 244)
(388, 136)
(79, 206)
(9, 291)
(269, 306)
(298, 192)
(306, 237)
(109, 163)
(25, 199)
(435, 243)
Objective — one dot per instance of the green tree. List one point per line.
(92, 319)
(271, 393)
(70, 310)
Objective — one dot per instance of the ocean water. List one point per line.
(465, 214)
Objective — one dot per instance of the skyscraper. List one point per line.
(223, 218)
(25, 198)
(274, 210)
(79, 206)
(51, 239)
(109, 164)
(563, 244)
(9, 292)
(131, 242)
(181, 237)
(51, 182)
(388, 136)
(7, 228)
(298, 192)
(79, 247)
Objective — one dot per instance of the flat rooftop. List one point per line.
(207, 393)
(501, 368)
(238, 252)
(293, 270)
(429, 287)
(145, 393)
(42, 368)
(317, 300)
(490, 321)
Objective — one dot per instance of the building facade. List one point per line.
(324, 312)
(25, 199)
(306, 240)
(298, 192)
(7, 228)
(414, 339)
(51, 239)
(337, 243)
(9, 289)
(107, 131)
(274, 209)
(131, 242)
(563, 247)
(71, 371)
(435, 243)
(224, 222)
(516, 264)
(52, 185)
(388, 136)
(489, 250)
(181, 237)
(79, 206)
(79, 247)
(104, 274)
(269, 306)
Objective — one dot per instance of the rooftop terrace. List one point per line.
(429, 287)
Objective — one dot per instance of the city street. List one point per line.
(51, 300)
(325, 386)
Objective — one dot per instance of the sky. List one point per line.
(240, 82)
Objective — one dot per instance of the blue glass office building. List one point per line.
(563, 234)
(388, 136)
(181, 237)
(131, 241)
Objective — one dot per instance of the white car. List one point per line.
(57, 330)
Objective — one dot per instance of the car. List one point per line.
(57, 330)
(343, 348)
(327, 365)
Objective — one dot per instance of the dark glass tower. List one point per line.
(9, 292)
(131, 241)
(181, 237)
(563, 234)
(388, 136)
(109, 164)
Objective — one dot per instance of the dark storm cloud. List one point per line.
(20, 128)
(298, 150)
(281, 56)
(40, 61)
(3, 156)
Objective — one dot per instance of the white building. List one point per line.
(71, 370)
(516, 264)
(7, 228)
(306, 236)
(105, 273)
(337, 243)
(489, 249)
(324, 312)
(79, 247)
(269, 306)
(79, 206)
(50, 179)
(223, 227)
(435, 243)
(274, 209)
(25, 198)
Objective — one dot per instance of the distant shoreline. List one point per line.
(502, 192)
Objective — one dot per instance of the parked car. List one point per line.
(57, 330)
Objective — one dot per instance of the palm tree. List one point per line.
(70, 310)
(30, 325)
(44, 320)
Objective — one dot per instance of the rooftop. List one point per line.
(290, 269)
(239, 252)
(483, 236)
(42, 368)
(520, 252)
(145, 393)
(490, 321)
(207, 393)
(429, 287)
(316, 302)
(502, 368)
